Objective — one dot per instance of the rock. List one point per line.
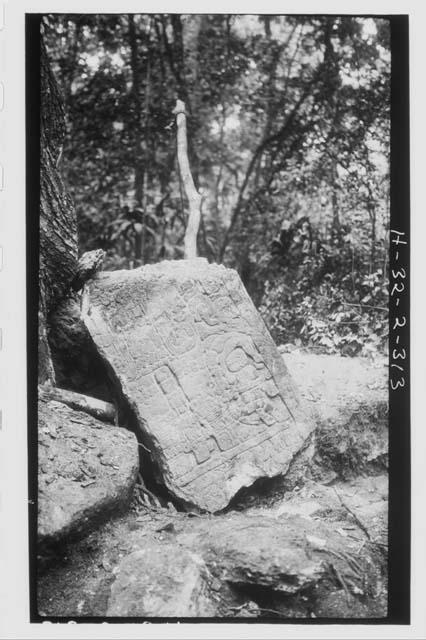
(76, 362)
(104, 411)
(46, 372)
(291, 561)
(249, 550)
(87, 470)
(159, 582)
(365, 499)
(349, 401)
(246, 564)
(212, 396)
(339, 605)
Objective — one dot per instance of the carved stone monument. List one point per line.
(213, 398)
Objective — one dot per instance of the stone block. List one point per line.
(213, 398)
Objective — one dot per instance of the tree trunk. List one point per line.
(335, 201)
(178, 66)
(194, 198)
(46, 372)
(140, 170)
(372, 214)
(58, 223)
(65, 352)
(371, 208)
(192, 26)
(149, 144)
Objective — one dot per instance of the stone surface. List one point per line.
(299, 559)
(212, 395)
(77, 364)
(363, 498)
(87, 470)
(283, 565)
(251, 550)
(348, 398)
(256, 551)
(159, 582)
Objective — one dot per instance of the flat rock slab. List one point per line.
(213, 398)
(87, 469)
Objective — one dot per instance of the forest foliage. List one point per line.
(288, 127)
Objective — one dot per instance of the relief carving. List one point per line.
(197, 361)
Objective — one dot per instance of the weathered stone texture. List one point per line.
(158, 582)
(213, 397)
(289, 554)
(349, 399)
(87, 470)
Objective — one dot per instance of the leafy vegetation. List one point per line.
(289, 142)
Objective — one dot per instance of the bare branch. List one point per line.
(194, 198)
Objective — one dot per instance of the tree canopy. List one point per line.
(288, 131)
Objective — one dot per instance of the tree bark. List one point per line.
(46, 371)
(58, 222)
(140, 170)
(65, 352)
(194, 198)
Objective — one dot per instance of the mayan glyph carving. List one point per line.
(211, 392)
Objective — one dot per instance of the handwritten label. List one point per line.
(398, 352)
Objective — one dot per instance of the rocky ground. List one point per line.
(310, 545)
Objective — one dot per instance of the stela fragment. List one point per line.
(194, 359)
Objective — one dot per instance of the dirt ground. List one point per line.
(75, 582)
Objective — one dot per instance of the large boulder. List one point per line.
(257, 551)
(291, 565)
(296, 565)
(211, 394)
(87, 470)
(349, 400)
